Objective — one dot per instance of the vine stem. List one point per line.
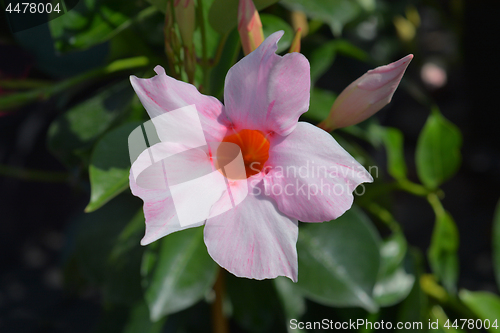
(34, 175)
(219, 321)
(204, 63)
(9, 102)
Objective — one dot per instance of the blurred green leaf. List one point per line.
(339, 261)
(393, 141)
(271, 24)
(335, 13)
(485, 305)
(182, 274)
(438, 150)
(414, 307)
(139, 321)
(292, 300)
(392, 252)
(110, 166)
(72, 134)
(255, 305)
(223, 15)
(346, 48)
(227, 59)
(161, 5)
(496, 243)
(321, 59)
(95, 236)
(443, 257)
(320, 104)
(393, 288)
(394, 283)
(93, 22)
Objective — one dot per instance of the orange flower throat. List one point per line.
(254, 149)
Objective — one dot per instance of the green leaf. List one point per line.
(228, 58)
(438, 150)
(323, 55)
(223, 15)
(339, 261)
(394, 283)
(92, 22)
(414, 309)
(484, 304)
(393, 141)
(292, 300)
(320, 104)
(335, 13)
(321, 59)
(182, 274)
(393, 288)
(72, 134)
(161, 5)
(392, 253)
(496, 243)
(271, 24)
(255, 304)
(95, 236)
(110, 166)
(139, 321)
(442, 253)
(346, 48)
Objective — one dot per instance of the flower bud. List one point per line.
(295, 47)
(249, 26)
(186, 20)
(365, 96)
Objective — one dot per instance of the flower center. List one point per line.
(254, 149)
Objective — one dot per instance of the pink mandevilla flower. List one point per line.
(294, 170)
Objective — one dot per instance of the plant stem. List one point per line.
(220, 48)
(385, 216)
(34, 175)
(24, 83)
(436, 204)
(413, 188)
(11, 101)
(204, 62)
(219, 321)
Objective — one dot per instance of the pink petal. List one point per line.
(160, 178)
(254, 240)
(267, 92)
(310, 176)
(162, 93)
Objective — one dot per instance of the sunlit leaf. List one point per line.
(110, 166)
